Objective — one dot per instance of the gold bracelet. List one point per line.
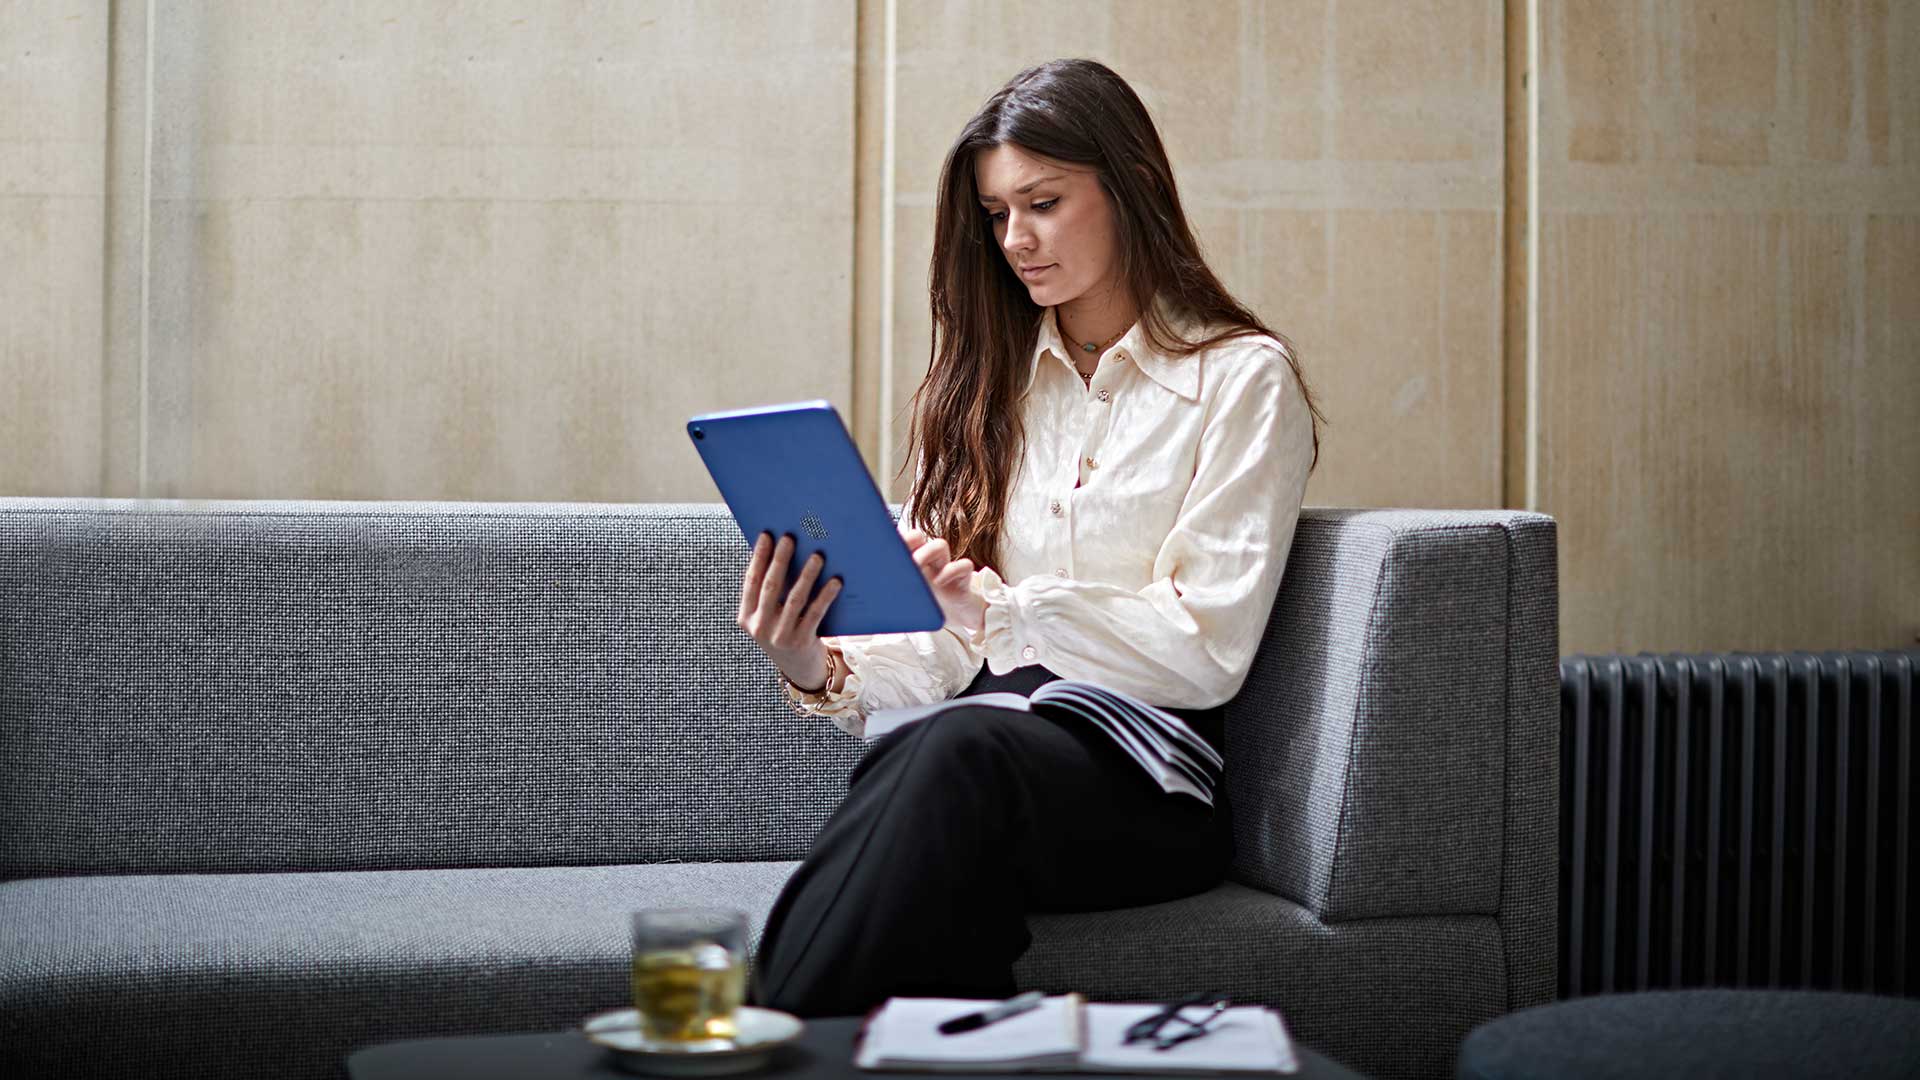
(798, 695)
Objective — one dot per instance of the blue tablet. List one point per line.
(794, 469)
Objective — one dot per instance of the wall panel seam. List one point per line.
(888, 238)
(1532, 501)
(146, 245)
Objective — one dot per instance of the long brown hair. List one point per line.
(966, 429)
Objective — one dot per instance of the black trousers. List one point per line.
(952, 830)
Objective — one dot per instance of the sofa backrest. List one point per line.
(230, 686)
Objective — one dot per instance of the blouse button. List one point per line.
(1103, 394)
(1060, 573)
(1054, 508)
(1092, 464)
(1029, 653)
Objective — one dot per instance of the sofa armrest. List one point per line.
(1394, 750)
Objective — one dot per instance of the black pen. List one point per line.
(1013, 1006)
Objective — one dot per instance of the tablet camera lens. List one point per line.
(699, 433)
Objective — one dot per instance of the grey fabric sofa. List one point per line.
(282, 779)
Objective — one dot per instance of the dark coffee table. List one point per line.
(826, 1049)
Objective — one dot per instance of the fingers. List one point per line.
(932, 557)
(773, 612)
(776, 578)
(756, 572)
(957, 574)
(914, 537)
(760, 591)
(796, 600)
(810, 621)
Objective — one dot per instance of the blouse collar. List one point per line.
(1178, 374)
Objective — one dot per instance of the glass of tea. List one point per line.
(689, 976)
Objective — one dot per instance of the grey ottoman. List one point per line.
(1695, 1033)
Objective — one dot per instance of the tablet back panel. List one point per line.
(794, 469)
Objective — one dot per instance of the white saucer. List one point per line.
(761, 1032)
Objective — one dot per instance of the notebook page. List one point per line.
(1243, 1038)
(905, 1034)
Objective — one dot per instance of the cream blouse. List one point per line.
(1145, 533)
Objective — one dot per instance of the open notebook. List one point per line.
(1162, 743)
(1067, 1035)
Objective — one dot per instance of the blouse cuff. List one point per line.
(1004, 636)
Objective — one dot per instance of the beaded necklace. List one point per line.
(1089, 347)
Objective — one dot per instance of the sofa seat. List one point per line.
(172, 973)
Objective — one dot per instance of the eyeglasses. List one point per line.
(1151, 1027)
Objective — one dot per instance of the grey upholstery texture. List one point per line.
(399, 768)
(266, 687)
(1732, 1034)
(1379, 732)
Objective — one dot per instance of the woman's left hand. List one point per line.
(951, 579)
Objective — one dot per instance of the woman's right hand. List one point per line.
(781, 620)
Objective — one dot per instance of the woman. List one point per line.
(1112, 454)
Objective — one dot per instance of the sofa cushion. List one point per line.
(239, 974)
(283, 974)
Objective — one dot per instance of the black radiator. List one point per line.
(1738, 820)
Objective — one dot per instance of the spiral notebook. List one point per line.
(1171, 752)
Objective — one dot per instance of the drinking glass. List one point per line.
(689, 976)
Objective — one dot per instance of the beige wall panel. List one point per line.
(1735, 105)
(1291, 122)
(1604, 121)
(951, 56)
(1830, 71)
(499, 253)
(1410, 377)
(53, 63)
(1886, 450)
(1289, 259)
(870, 226)
(1892, 61)
(1316, 145)
(1417, 80)
(1887, 61)
(1725, 468)
(1290, 256)
(912, 339)
(122, 288)
(1221, 232)
(1188, 63)
(501, 364)
(1726, 429)
(1831, 87)
(49, 345)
